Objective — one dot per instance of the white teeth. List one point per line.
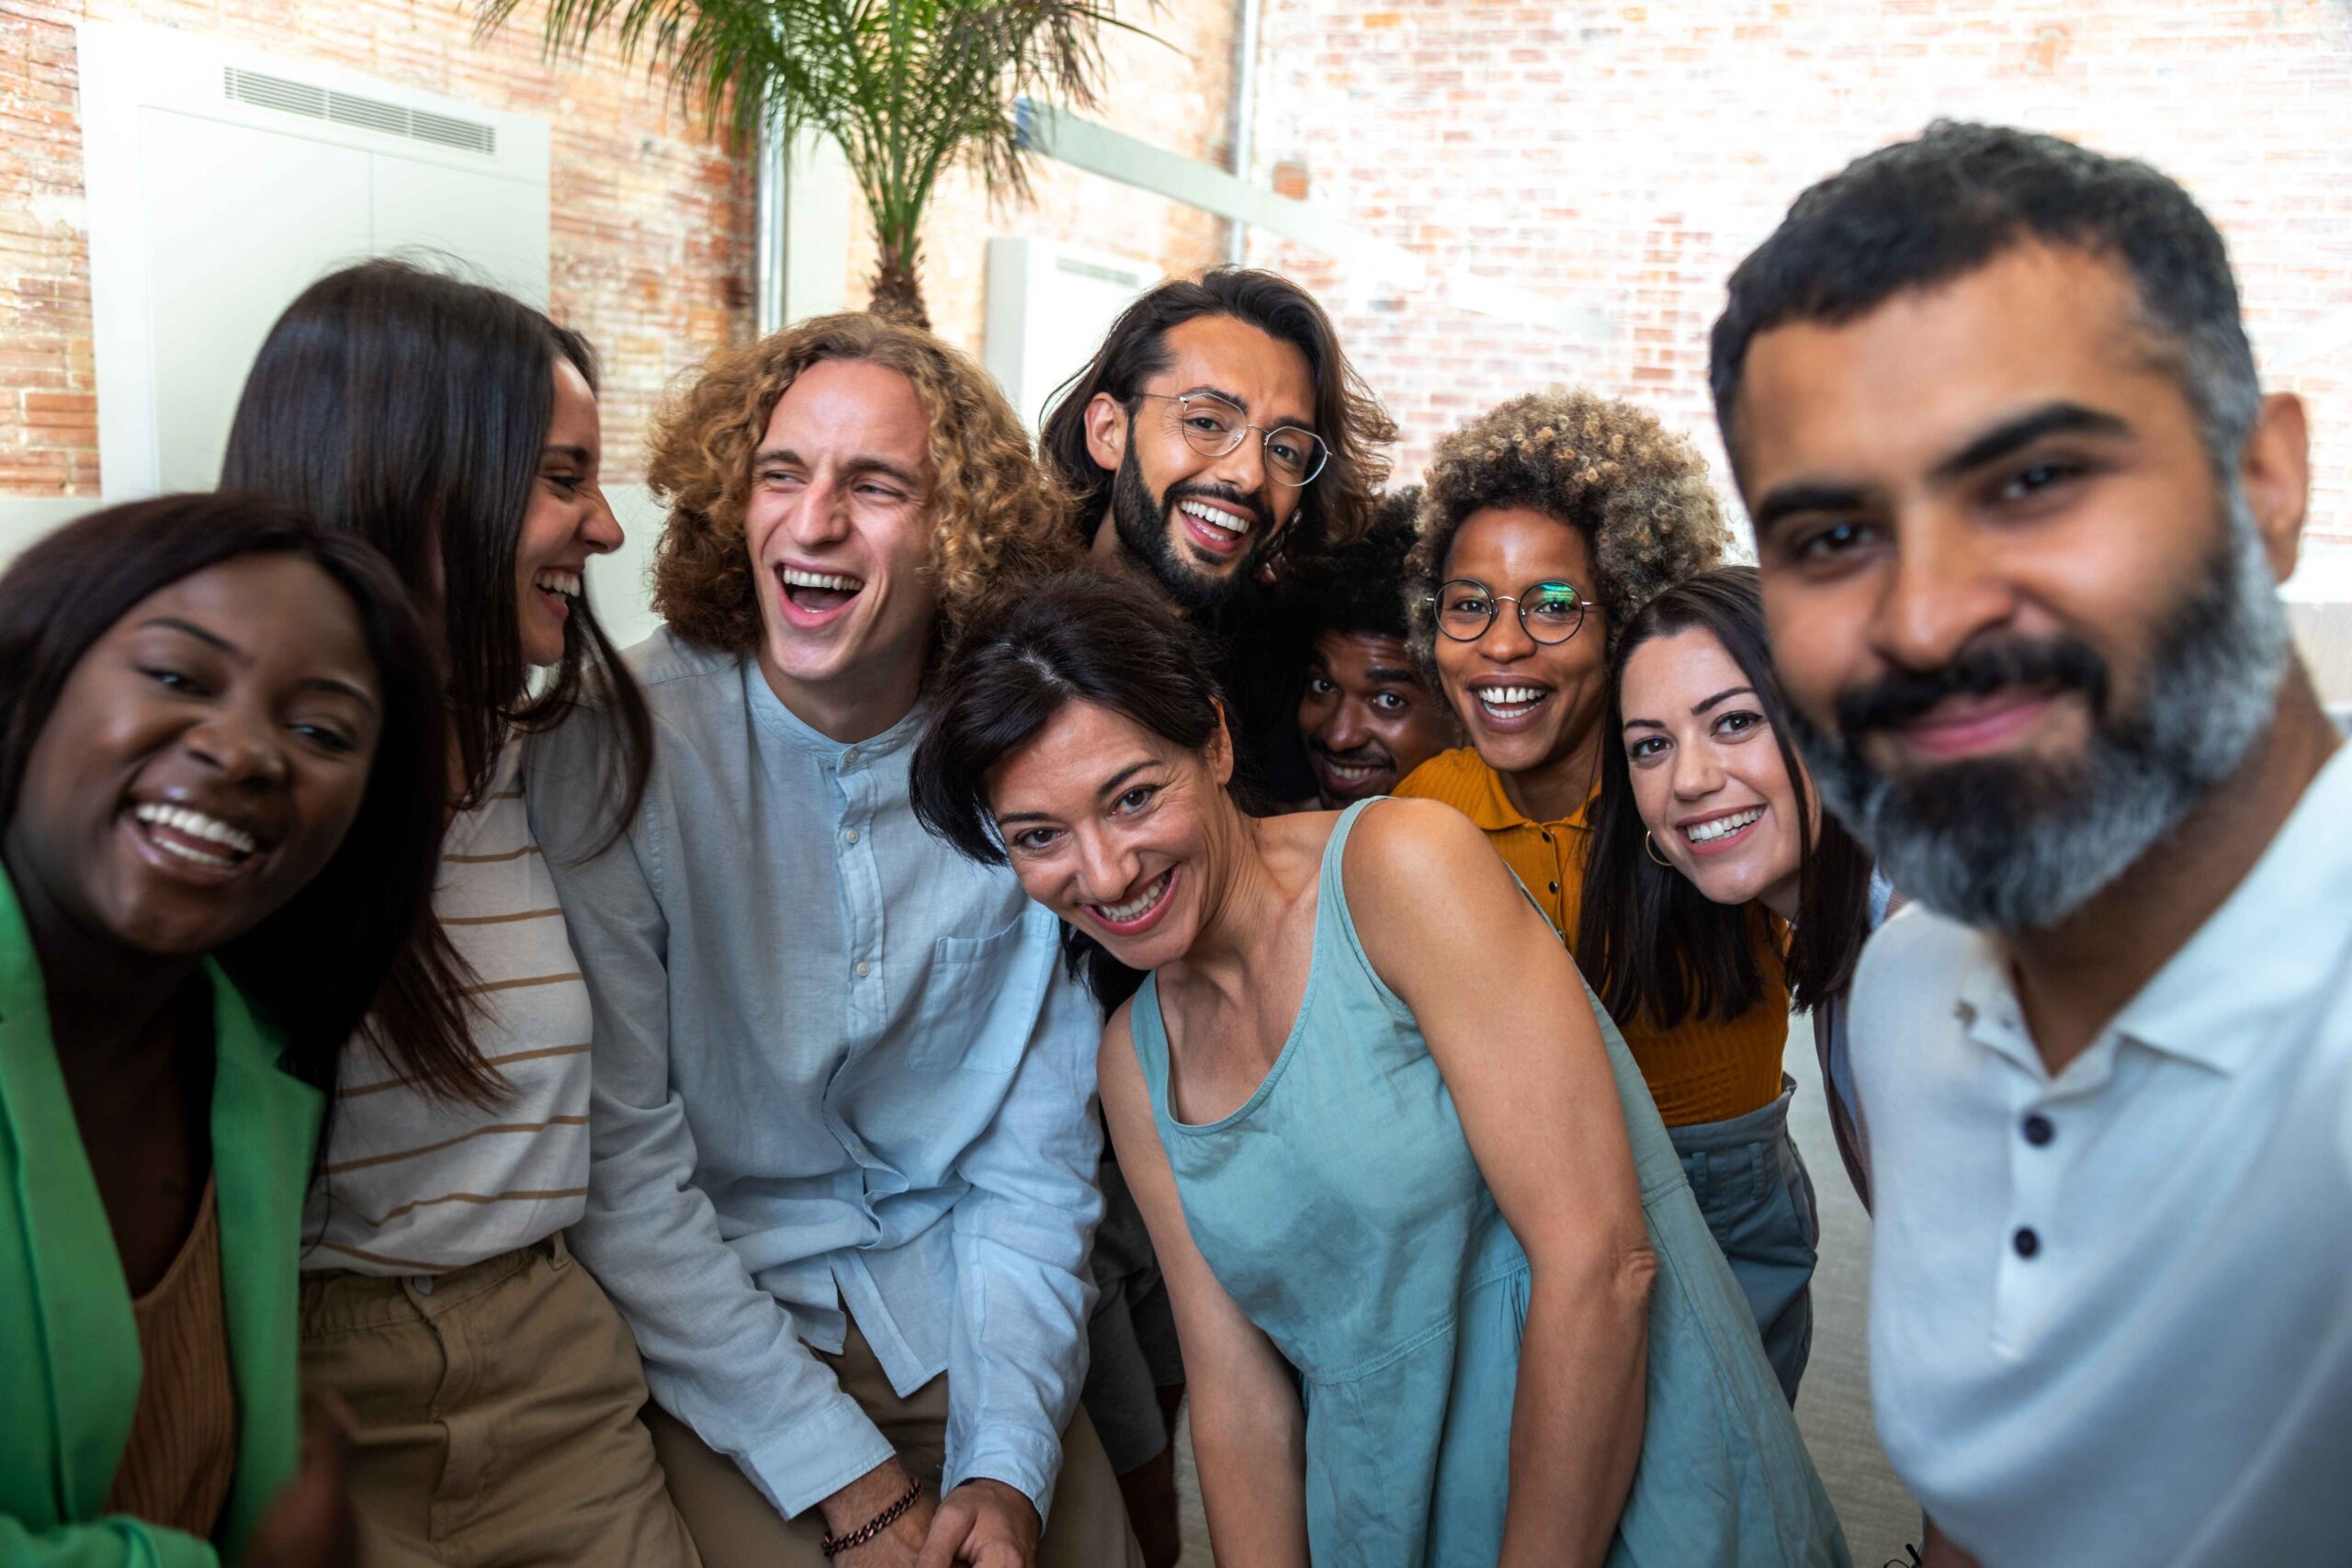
(196, 825)
(1509, 702)
(1120, 914)
(794, 578)
(1229, 522)
(556, 581)
(1722, 827)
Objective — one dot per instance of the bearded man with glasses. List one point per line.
(1218, 435)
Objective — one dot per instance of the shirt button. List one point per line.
(2038, 1130)
(850, 837)
(1547, 837)
(2026, 1242)
(849, 758)
(423, 1284)
(864, 968)
(1555, 887)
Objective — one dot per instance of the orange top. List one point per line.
(1702, 1070)
(182, 1452)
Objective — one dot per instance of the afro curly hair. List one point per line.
(1360, 586)
(1637, 491)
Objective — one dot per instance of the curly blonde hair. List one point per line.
(997, 520)
(1637, 491)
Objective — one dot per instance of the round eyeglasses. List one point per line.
(1548, 612)
(1214, 427)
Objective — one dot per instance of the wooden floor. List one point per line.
(1833, 1407)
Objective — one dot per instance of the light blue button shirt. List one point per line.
(837, 1066)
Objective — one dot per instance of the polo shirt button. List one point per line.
(863, 969)
(1547, 837)
(2026, 1242)
(1555, 887)
(2038, 1130)
(850, 837)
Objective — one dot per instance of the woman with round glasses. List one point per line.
(1545, 524)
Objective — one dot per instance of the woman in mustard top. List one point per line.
(1545, 523)
(221, 754)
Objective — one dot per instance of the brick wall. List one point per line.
(650, 254)
(1623, 157)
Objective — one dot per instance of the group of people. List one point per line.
(1044, 936)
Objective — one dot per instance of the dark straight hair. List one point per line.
(1076, 637)
(1335, 505)
(315, 968)
(411, 409)
(1653, 944)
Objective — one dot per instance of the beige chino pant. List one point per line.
(734, 1527)
(498, 1410)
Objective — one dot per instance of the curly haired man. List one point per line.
(1544, 524)
(844, 1181)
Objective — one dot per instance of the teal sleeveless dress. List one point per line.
(1341, 1210)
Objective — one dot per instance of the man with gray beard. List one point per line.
(2021, 509)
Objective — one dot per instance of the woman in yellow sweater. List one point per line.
(1545, 523)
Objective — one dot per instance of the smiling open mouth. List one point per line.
(1138, 912)
(1223, 519)
(1350, 775)
(817, 593)
(1722, 827)
(196, 838)
(1509, 703)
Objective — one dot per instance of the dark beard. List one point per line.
(1141, 520)
(2021, 844)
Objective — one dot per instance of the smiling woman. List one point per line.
(220, 738)
(1441, 1296)
(456, 429)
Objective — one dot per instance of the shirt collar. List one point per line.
(1491, 809)
(2276, 944)
(780, 721)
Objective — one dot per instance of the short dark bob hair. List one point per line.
(1654, 945)
(1078, 638)
(1337, 504)
(1930, 211)
(1360, 588)
(315, 969)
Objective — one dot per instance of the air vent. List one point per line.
(1077, 268)
(289, 97)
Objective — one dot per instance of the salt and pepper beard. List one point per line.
(1141, 521)
(2018, 844)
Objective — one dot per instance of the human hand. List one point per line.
(984, 1523)
(309, 1523)
(865, 1499)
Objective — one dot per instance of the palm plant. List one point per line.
(907, 87)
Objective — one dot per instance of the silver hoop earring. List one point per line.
(1651, 845)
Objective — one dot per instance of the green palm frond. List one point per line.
(907, 87)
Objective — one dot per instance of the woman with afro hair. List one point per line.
(1545, 524)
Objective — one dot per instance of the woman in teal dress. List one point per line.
(1442, 1291)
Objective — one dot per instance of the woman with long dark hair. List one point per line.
(1441, 1292)
(495, 1387)
(221, 738)
(1708, 830)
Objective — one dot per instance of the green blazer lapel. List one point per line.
(66, 1328)
(265, 1130)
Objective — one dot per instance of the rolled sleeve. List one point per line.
(1017, 1347)
(720, 1353)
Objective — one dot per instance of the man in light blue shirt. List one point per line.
(843, 1124)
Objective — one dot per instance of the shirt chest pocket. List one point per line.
(980, 999)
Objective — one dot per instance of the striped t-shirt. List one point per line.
(418, 1185)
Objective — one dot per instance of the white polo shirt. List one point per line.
(2111, 1311)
